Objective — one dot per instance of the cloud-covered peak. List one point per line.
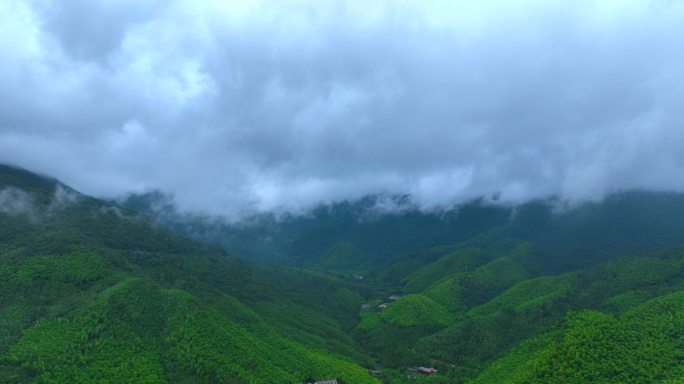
(236, 107)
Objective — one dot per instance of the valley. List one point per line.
(101, 291)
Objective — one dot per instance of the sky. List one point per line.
(237, 107)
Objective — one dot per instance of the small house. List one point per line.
(382, 306)
(365, 306)
(326, 382)
(427, 371)
(395, 297)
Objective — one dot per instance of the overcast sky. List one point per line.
(242, 106)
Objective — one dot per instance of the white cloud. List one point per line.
(15, 202)
(240, 106)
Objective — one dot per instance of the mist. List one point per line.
(236, 108)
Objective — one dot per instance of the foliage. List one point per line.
(415, 311)
(643, 345)
(466, 289)
(93, 292)
(534, 306)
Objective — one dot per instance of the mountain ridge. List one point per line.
(88, 287)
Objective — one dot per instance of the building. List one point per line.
(326, 382)
(395, 297)
(427, 371)
(382, 306)
(365, 306)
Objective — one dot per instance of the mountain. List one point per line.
(364, 236)
(642, 344)
(95, 291)
(478, 280)
(90, 292)
(359, 234)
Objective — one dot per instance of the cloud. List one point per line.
(20, 202)
(62, 198)
(16, 202)
(236, 107)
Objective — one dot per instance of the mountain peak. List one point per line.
(15, 176)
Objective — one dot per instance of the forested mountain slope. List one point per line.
(91, 291)
(94, 293)
(641, 345)
(479, 279)
(366, 236)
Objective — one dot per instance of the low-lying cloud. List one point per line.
(16, 202)
(19, 202)
(237, 107)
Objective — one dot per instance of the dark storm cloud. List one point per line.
(242, 106)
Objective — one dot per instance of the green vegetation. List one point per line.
(535, 306)
(94, 292)
(464, 290)
(526, 295)
(451, 263)
(643, 345)
(391, 332)
(415, 311)
(137, 332)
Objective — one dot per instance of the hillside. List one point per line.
(94, 293)
(642, 345)
(481, 279)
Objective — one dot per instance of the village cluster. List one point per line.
(427, 371)
(382, 305)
